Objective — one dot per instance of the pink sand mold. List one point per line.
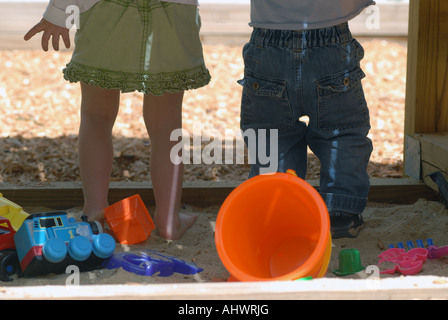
(406, 263)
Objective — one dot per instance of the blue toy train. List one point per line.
(50, 242)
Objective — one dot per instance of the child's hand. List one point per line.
(50, 31)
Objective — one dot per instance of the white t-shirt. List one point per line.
(56, 9)
(304, 14)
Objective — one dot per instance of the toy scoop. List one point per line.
(406, 263)
(150, 262)
(437, 252)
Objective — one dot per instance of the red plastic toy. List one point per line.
(9, 262)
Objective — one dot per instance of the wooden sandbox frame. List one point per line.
(426, 150)
(426, 113)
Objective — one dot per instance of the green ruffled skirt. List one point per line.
(148, 46)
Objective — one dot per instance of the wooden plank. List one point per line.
(65, 195)
(411, 74)
(427, 77)
(400, 191)
(442, 70)
(398, 288)
(413, 159)
(426, 110)
(435, 149)
(434, 153)
(201, 194)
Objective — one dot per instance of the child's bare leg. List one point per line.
(99, 109)
(162, 115)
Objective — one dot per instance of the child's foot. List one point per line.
(174, 231)
(345, 225)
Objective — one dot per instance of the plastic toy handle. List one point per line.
(435, 252)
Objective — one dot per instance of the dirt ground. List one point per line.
(38, 137)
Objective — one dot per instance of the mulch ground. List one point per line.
(40, 116)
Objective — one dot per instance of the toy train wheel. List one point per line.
(9, 264)
(80, 248)
(103, 245)
(54, 250)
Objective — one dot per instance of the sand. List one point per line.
(385, 224)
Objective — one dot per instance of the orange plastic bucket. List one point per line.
(129, 220)
(274, 227)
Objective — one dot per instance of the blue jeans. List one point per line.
(314, 73)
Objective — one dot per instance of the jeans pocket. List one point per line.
(341, 101)
(264, 104)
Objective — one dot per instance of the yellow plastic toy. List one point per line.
(13, 212)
